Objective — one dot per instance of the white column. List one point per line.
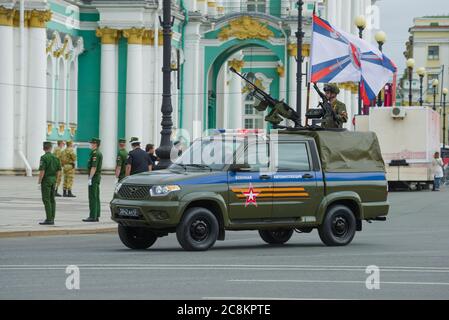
(190, 112)
(147, 98)
(191, 5)
(134, 84)
(332, 11)
(7, 97)
(37, 94)
(235, 108)
(108, 96)
(202, 6)
(292, 82)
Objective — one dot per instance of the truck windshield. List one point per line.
(209, 153)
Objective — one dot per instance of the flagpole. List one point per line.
(299, 59)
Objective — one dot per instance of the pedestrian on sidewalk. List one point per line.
(49, 172)
(68, 160)
(94, 170)
(58, 152)
(138, 160)
(120, 167)
(437, 171)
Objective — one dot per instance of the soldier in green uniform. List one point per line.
(68, 160)
(57, 152)
(49, 172)
(122, 154)
(94, 170)
(331, 91)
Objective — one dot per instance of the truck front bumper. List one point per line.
(155, 214)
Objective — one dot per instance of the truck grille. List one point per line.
(133, 192)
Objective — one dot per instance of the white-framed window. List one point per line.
(252, 119)
(433, 53)
(430, 78)
(256, 6)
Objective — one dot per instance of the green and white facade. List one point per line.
(79, 69)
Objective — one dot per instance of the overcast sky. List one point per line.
(396, 17)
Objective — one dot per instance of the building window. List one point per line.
(257, 6)
(430, 78)
(253, 119)
(433, 53)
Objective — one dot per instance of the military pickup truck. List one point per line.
(276, 183)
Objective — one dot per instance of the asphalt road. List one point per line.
(411, 249)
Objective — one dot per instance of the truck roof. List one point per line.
(346, 151)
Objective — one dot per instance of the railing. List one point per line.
(226, 7)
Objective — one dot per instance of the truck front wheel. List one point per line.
(276, 236)
(136, 237)
(198, 229)
(339, 226)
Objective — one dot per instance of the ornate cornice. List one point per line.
(293, 50)
(6, 16)
(108, 35)
(245, 28)
(350, 86)
(236, 64)
(134, 35)
(39, 19)
(148, 37)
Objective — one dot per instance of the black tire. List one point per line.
(198, 230)
(339, 226)
(276, 236)
(136, 238)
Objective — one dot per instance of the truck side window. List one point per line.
(292, 156)
(256, 155)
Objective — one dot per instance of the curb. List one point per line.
(61, 232)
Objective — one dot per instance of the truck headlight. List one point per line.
(117, 188)
(156, 191)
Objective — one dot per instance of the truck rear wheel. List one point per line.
(276, 236)
(198, 230)
(136, 237)
(339, 226)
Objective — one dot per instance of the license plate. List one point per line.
(128, 212)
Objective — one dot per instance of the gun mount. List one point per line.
(279, 109)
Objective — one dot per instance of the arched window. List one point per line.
(50, 90)
(73, 94)
(253, 119)
(61, 92)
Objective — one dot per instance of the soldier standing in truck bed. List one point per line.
(331, 91)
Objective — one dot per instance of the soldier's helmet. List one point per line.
(331, 87)
(69, 143)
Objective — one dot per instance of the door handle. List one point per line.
(307, 176)
(265, 177)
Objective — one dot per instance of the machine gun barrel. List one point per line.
(265, 95)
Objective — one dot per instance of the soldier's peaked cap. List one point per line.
(95, 140)
(121, 140)
(69, 143)
(331, 87)
(134, 140)
(47, 144)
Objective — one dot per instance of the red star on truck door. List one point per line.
(250, 196)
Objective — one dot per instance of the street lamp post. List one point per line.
(164, 150)
(421, 73)
(410, 65)
(435, 84)
(299, 58)
(360, 22)
(445, 92)
(381, 37)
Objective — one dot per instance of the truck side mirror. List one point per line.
(239, 167)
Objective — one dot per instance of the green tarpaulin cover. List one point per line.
(346, 151)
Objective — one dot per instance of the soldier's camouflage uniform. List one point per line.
(68, 160)
(58, 152)
(342, 116)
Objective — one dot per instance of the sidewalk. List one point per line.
(21, 208)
